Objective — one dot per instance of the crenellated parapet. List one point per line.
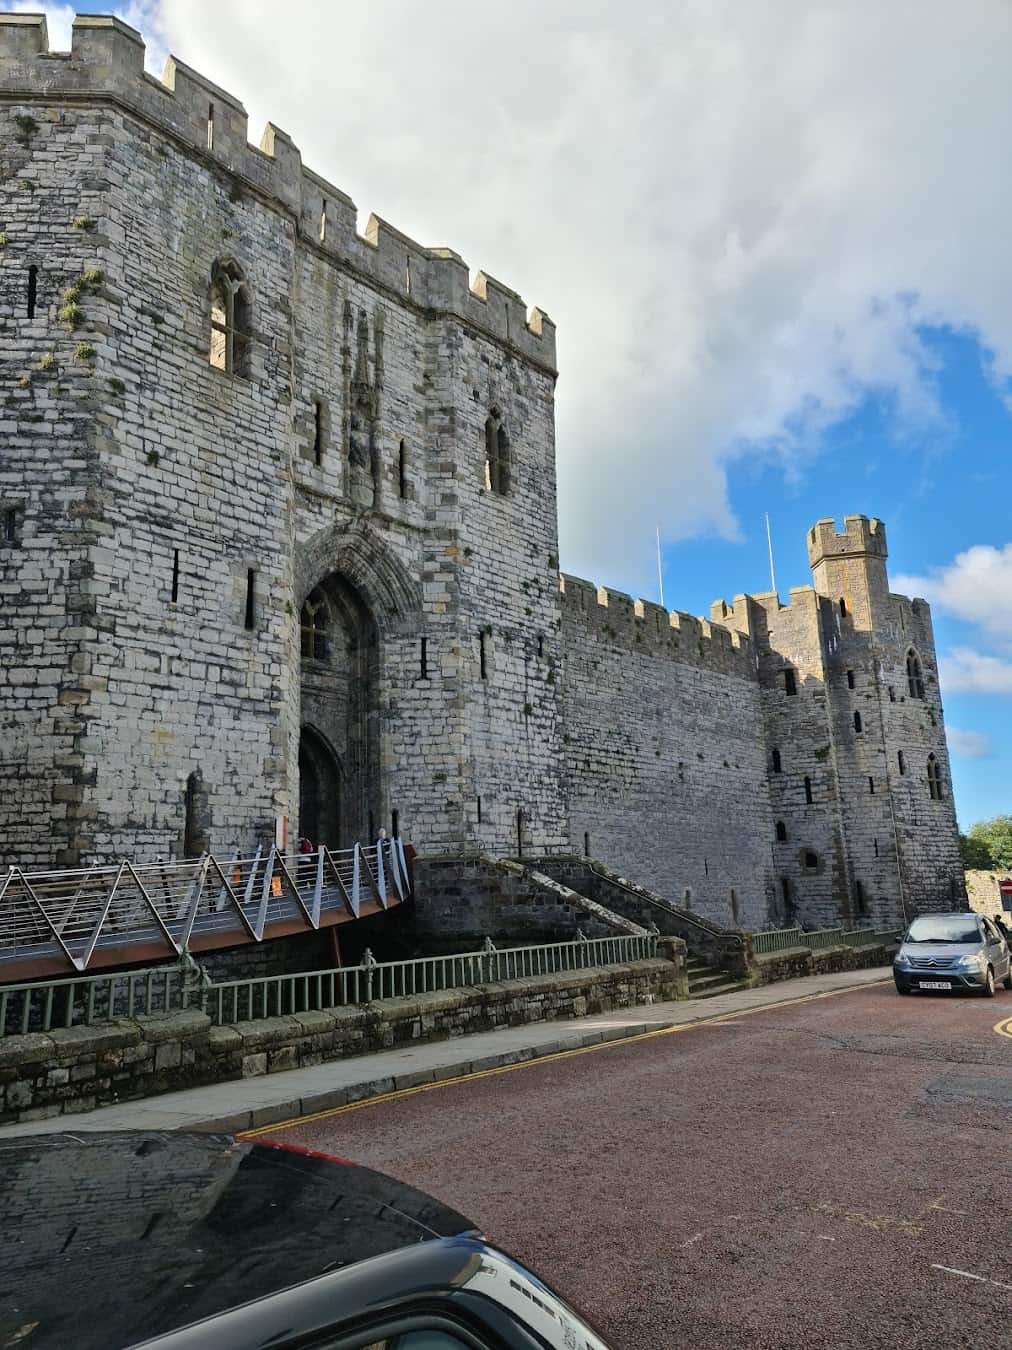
(106, 64)
(649, 629)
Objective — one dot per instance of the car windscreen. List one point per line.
(944, 928)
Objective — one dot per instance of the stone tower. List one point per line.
(863, 818)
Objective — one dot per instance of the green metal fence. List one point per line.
(280, 995)
(93, 998)
(103, 998)
(784, 939)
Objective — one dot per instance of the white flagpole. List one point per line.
(660, 574)
(769, 545)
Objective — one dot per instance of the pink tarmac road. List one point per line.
(830, 1173)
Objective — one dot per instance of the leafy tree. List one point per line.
(990, 839)
(975, 854)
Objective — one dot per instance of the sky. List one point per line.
(773, 237)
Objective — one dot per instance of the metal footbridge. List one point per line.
(55, 923)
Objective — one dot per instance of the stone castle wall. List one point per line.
(664, 755)
(185, 479)
(171, 520)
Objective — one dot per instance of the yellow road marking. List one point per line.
(1004, 1027)
(400, 1093)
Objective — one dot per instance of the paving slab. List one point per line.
(250, 1103)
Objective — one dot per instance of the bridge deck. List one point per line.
(57, 923)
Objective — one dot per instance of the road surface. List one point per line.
(834, 1172)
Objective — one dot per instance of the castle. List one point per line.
(279, 554)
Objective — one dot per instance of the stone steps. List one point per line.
(705, 982)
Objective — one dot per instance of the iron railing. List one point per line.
(65, 917)
(280, 995)
(784, 939)
(123, 994)
(95, 998)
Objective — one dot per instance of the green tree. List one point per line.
(993, 839)
(975, 854)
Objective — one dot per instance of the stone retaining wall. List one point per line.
(81, 1068)
(794, 962)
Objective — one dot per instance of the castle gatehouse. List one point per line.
(279, 556)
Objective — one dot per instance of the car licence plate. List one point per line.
(936, 984)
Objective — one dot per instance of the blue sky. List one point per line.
(939, 491)
(773, 237)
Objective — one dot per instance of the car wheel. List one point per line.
(1007, 981)
(902, 988)
(988, 989)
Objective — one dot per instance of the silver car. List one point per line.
(953, 951)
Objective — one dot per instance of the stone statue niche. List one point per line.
(364, 408)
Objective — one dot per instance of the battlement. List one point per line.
(106, 64)
(650, 629)
(861, 537)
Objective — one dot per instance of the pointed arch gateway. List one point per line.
(355, 598)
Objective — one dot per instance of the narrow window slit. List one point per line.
(249, 620)
(479, 810)
(210, 126)
(402, 470)
(175, 575)
(808, 792)
(586, 844)
(424, 659)
(33, 290)
(323, 220)
(482, 657)
(395, 824)
(317, 433)
(857, 722)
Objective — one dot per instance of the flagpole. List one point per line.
(660, 574)
(769, 545)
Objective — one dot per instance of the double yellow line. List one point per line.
(400, 1093)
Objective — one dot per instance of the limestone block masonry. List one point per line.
(278, 553)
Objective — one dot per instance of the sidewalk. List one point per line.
(248, 1103)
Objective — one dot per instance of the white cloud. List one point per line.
(968, 744)
(59, 19)
(967, 671)
(739, 215)
(976, 586)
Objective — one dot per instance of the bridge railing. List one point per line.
(66, 916)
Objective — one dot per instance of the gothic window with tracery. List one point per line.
(230, 319)
(936, 788)
(314, 625)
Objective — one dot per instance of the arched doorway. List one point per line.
(319, 790)
(339, 787)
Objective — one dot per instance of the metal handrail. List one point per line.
(704, 925)
(66, 916)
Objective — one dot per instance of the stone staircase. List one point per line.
(707, 982)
